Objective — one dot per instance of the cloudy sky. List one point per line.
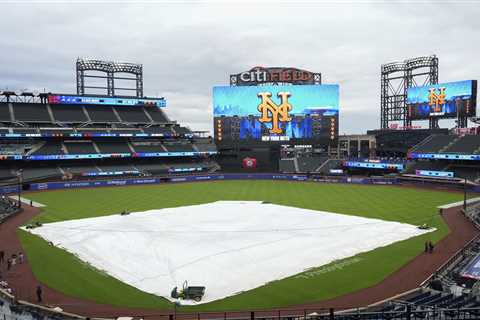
(186, 47)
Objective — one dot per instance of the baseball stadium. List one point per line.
(111, 209)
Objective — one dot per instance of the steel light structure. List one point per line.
(111, 69)
(396, 78)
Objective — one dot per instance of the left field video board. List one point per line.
(289, 114)
(443, 100)
(101, 100)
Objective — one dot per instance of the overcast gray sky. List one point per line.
(186, 47)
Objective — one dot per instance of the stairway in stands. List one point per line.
(327, 165)
(295, 163)
(423, 142)
(452, 143)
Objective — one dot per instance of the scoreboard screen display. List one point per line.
(430, 173)
(443, 100)
(288, 114)
(54, 99)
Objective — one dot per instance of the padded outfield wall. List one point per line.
(13, 189)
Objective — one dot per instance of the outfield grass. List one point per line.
(64, 272)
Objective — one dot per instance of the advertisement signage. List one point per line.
(43, 157)
(374, 165)
(430, 173)
(444, 156)
(275, 75)
(88, 134)
(101, 100)
(249, 163)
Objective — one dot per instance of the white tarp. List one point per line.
(226, 246)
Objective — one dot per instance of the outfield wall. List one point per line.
(213, 177)
(12, 189)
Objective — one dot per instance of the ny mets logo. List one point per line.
(436, 100)
(274, 113)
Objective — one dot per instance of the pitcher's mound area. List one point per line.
(226, 246)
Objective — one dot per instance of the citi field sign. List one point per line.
(258, 75)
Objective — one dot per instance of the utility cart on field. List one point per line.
(188, 292)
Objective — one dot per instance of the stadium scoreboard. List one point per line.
(283, 114)
(444, 100)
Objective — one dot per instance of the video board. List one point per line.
(431, 173)
(101, 100)
(288, 114)
(41, 157)
(374, 165)
(443, 100)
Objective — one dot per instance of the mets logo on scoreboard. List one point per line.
(436, 100)
(273, 113)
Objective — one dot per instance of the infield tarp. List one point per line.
(226, 246)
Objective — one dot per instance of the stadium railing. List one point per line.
(13, 309)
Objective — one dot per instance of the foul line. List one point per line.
(27, 201)
(459, 203)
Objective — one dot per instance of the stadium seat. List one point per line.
(31, 112)
(113, 147)
(434, 144)
(68, 113)
(102, 114)
(156, 114)
(5, 112)
(132, 114)
(80, 147)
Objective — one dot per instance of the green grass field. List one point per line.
(64, 272)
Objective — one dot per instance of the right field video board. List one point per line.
(443, 100)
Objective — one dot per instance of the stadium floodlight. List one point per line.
(110, 68)
(396, 78)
